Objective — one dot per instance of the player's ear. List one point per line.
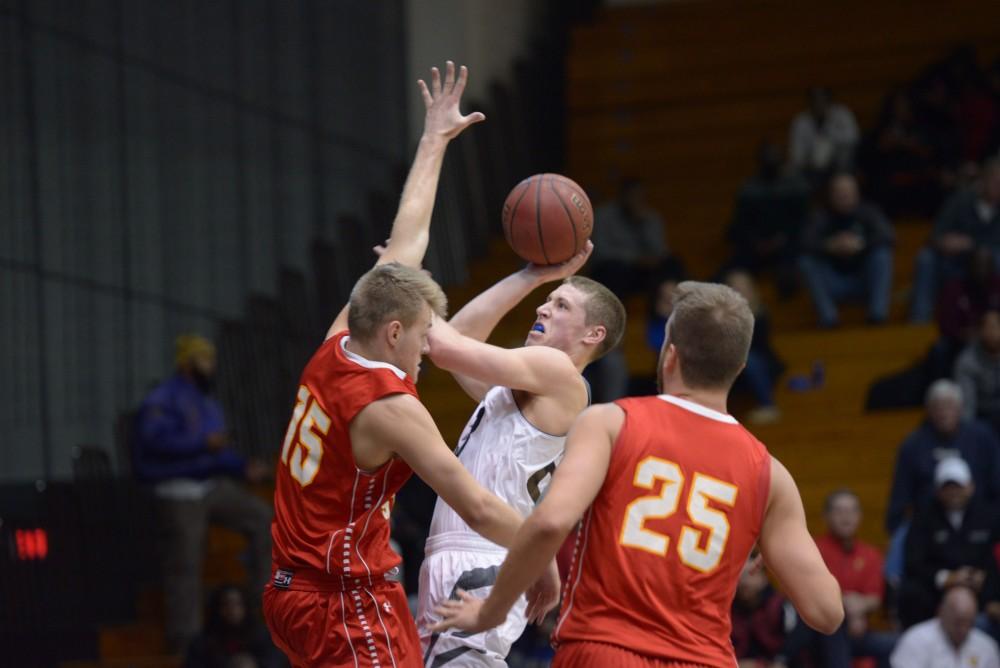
(394, 332)
(670, 359)
(595, 335)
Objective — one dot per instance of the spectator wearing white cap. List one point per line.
(949, 640)
(945, 433)
(950, 544)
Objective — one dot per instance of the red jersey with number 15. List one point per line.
(659, 552)
(329, 515)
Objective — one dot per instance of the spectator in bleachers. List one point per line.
(977, 371)
(824, 137)
(630, 245)
(963, 302)
(943, 434)
(182, 448)
(231, 636)
(949, 544)
(847, 252)
(770, 210)
(900, 163)
(758, 619)
(976, 110)
(763, 367)
(970, 217)
(857, 566)
(949, 640)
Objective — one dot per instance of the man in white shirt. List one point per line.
(948, 640)
(823, 137)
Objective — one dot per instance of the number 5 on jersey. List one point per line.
(303, 449)
(703, 489)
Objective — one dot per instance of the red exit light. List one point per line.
(32, 544)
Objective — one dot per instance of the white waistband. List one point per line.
(461, 540)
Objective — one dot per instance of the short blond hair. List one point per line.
(602, 308)
(390, 292)
(710, 327)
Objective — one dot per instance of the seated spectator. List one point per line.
(823, 137)
(630, 246)
(182, 448)
(945, 433)
(763, 367)
(661, 305)
(770, 211)
(949, 544)
(899, 161)
(949, 640)
(847, 252)
(977, 371)
(970, 218)
(963, 302)
(231, 638)
(758, 618)
(857, 566)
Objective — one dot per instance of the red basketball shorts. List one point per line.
(576, 654)
(370, 627)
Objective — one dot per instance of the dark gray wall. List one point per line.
(160, 163)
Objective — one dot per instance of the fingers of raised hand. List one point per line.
(449, 77)
(435, 81)
(425, 93)
(463, 78)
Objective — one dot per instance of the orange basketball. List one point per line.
(547, 218)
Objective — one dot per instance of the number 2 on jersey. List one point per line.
(703, 489)
(303, 449)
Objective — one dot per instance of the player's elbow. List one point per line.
(824, 611)
(478, 512)
(546, 525)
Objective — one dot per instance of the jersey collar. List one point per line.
(698, 408)
(367, 363)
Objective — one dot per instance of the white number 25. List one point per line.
(703, 517)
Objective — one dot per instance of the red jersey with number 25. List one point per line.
(659, 552)
(329, 515)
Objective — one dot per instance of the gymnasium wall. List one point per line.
(162, 163)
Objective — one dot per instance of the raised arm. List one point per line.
(539, 370)
(575, 484)
(791, 554)
(443, 122)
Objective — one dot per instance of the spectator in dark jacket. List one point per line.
(181, 447)
(950, 543)
(847, 252)
(770, 211)
(969, 218)
(231, 637)
(758, 618)
(977, 371)
(944, 434)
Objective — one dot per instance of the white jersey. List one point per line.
(508, 456)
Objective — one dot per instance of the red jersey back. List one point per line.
(660, 550)
(329, 515)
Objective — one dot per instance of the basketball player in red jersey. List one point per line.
(673, 494)
(357, 432)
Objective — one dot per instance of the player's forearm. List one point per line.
(411, 227)
(533, 548)
(479, 317)
(496, 521)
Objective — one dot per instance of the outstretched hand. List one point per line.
(546, 273)
(543, 596)
(463, 614)
(444, 119)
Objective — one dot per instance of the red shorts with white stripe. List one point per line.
(368, 627)
(576, 654)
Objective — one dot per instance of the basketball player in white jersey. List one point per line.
(529, 397)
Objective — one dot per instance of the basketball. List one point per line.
(547, 218)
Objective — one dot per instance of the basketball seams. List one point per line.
(538, 217)
(569, 216)
(508, 221)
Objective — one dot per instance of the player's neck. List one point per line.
(715, 400)
(369, 352)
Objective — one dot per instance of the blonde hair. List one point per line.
(711, 327)
(390, 292)
(602, 308)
